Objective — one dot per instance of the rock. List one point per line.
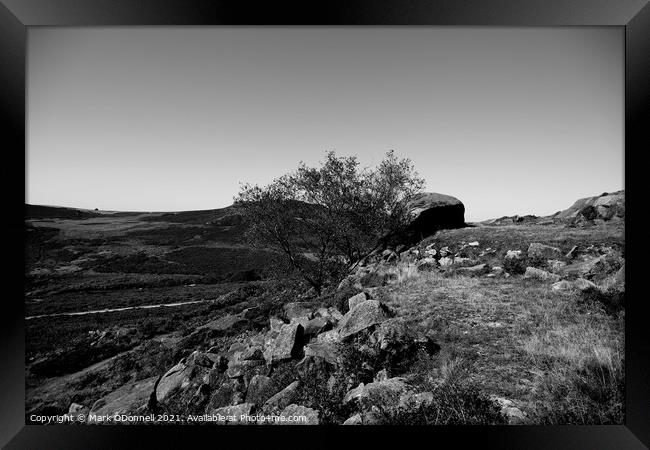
(445, 261)
(316, 326)
(283, 398)
(619, 278)
(473, 271)
(410, 400)
(233, 414)
(299, 415)
(331, 313)
(582, 284)
(509, 410)
(177, 377)
(579, 284)
(539, 274)
(225, 323)
(275, 323)
(572, 253)
(607, 206)
(356, 299)
(513, 254)
(542, 251)
(562, 286)
(426, 264)
(327, 351)
(252, 354)
(302, 321)
(473, 244)
(555, 265)
(286, 344)
(260, 389)
(76, 409)
(239, 368)
(382, 394)
(331, 336)
(125, 399)
(362, 316)
(595, 267)
(382, 375)
(354, 420)
(298, 309)
(431, 212)
(465, 262)
(229, 393)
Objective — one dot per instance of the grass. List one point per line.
(520, 340)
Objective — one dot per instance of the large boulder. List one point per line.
(429, 213)
(606, 206)
(285, 343)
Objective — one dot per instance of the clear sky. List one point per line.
(509, 120)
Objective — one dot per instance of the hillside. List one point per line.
(507, 321)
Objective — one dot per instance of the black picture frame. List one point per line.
(17, 15)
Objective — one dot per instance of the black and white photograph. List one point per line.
(334, 225)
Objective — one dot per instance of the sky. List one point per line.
(508, 120)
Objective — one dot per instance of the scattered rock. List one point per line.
(225, 323)
(298, 309)
(513, 254)
(445, 261)
(382, 394)
(356, 299)
(539, 274)
(426, 264)
(260, 389)
(283, 398)
(125, 399)
(354, 420)
(300, 415)
(286, 344)
(275, 323)
(362, 316)
(513, 414)
(479, 269)
(542, 251)
(327, 351)
(233, 414)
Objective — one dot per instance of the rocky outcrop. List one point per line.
(607, 206)
(430, 212)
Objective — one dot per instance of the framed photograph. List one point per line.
(412, 217)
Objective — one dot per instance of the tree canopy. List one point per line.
(323, 220)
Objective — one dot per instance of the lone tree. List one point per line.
(322, 221)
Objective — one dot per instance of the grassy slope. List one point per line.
(559, 356)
